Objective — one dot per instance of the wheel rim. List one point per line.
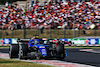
(10, 50)
(20, 52)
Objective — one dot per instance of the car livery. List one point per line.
(37, 49)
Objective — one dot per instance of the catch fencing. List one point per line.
(47, 33)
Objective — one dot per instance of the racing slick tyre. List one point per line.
(23, 50)
(13, 51)
(60, 48)
(60, 51)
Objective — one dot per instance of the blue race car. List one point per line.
(37, 49)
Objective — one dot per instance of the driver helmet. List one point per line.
(35, 37)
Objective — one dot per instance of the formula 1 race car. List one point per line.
(37, 49)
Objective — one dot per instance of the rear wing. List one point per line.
(23, 40)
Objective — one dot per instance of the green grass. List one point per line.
(55, 33)
(16, 63)
(4, 46)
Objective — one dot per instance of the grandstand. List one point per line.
(53, 15)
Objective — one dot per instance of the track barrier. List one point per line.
(76, 41)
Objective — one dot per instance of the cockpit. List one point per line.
(37, 41)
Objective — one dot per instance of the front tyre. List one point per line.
(60, 51)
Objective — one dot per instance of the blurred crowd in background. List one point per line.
(54, 15)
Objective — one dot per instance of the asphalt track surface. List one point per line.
(76, 56)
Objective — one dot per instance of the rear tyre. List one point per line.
(23, 50)
(13, 51)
